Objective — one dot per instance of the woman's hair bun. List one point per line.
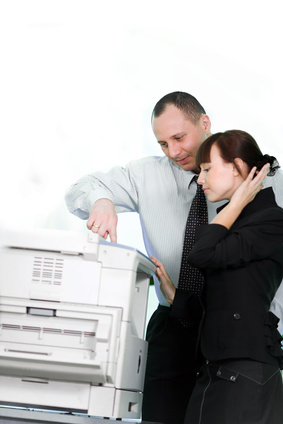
(273, 162)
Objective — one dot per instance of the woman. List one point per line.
(241, 256)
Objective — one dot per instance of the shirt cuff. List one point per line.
(95, 195)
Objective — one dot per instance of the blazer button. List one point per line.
(237, 316)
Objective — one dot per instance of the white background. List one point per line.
(79, 79)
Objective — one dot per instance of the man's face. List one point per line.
(179, 138)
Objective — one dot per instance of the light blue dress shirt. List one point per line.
(160, 192)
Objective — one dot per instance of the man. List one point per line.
(160, 190)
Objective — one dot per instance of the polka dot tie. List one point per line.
(191, 278)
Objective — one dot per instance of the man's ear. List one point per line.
(206, 124)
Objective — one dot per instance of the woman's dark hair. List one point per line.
(235, 144)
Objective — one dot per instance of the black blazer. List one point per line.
(243, 268)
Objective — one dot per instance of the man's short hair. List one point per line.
(187, 103)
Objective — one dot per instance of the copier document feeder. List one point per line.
(72, 323)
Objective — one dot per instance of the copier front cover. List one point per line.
(72, 311)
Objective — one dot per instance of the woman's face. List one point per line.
(219, 179)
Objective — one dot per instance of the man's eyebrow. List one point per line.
(172, 136)
(178, 134)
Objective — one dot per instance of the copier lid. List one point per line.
(63, 241)
(67, 242)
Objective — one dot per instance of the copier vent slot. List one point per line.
(47, 330)
(47, 270)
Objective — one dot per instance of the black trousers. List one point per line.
(237, 392)
(171, 368)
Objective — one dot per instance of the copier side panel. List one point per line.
(49, 276)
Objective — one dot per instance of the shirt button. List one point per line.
(237, 316)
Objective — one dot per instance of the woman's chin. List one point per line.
(213, 199)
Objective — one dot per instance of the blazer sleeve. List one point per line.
(187, 305)
(254, 239)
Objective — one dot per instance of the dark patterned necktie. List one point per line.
(191, 278)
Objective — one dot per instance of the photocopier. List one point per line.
(72, 322)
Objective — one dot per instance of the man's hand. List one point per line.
(103, 219)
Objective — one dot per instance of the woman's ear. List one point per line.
(240, 168)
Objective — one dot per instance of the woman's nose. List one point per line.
(200, 179)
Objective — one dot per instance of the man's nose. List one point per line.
(174, 150)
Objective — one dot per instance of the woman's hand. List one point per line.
(166, 286)
(249, 188)
(244, 194)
